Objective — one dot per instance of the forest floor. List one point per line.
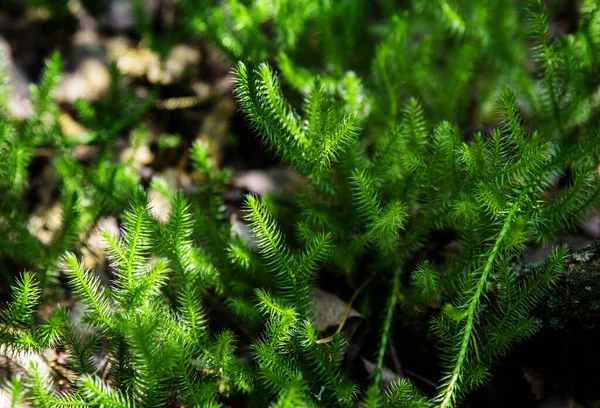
(192, 87)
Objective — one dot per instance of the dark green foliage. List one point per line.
(492, 191)
(403, 121)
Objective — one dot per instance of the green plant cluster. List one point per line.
(404, 120)
(88, 190)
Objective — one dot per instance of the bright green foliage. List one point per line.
(18, 141)
(287, 354)
(101, 182)
(14, 388)
(20, 313)
(404, 122)
(403, 394)
(156, 349)
(311, 143)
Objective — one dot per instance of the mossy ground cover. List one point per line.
(299, 203)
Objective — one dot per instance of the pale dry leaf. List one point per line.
(273, 180)
(160, 207)
(535, 381)
(388, 377)
(93, 250)
(240, 229)
(215, 128)
(592, 226)
(89, 81)
(19, 95)
(202, 90)
(329, 309)
(70, 127)
(18, 361)
(44, 222)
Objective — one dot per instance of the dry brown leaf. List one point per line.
(535, 381)
(44, 222)
(215, 128)
(160, 207)
(202, 90)
(19, 98)
(592, 226)
(273, 180)
(140, 61)
(329, 310)
(240, 229)
(93, 250)
(70, 127)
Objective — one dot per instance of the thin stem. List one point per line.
(132, 251)
(388, 86)
(448, 394)
(387, 324)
